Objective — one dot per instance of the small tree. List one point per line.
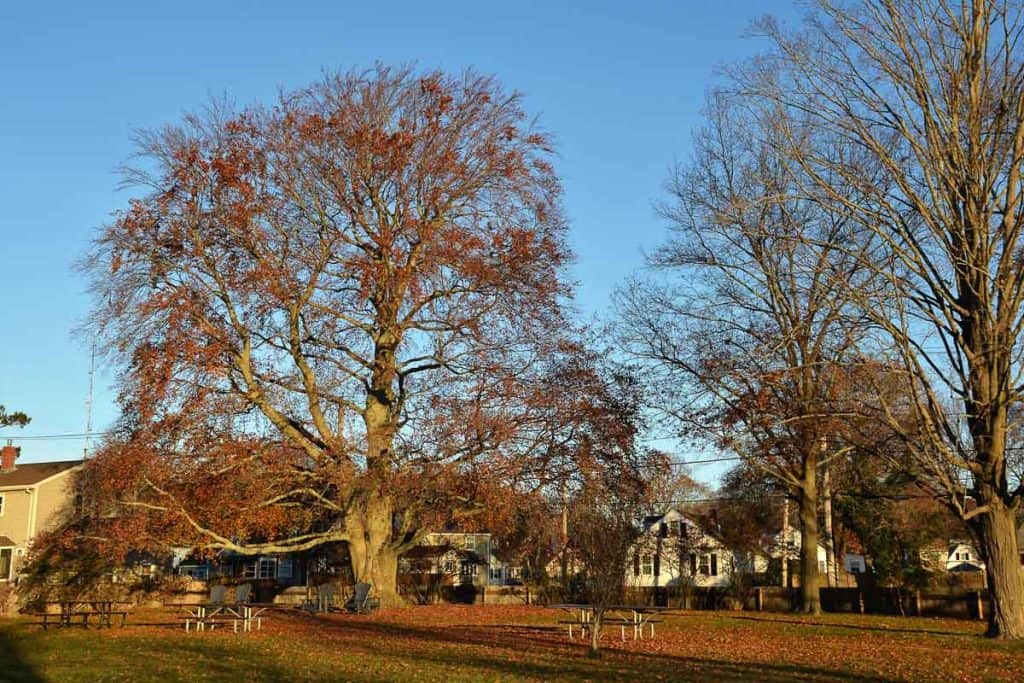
(603, 530)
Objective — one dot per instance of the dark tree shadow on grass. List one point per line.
(13, 666)
(517, 649)
(853, 627)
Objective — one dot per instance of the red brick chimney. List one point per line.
(8, 455)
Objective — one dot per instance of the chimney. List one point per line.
(8, 455)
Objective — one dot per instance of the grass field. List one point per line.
(490, 643)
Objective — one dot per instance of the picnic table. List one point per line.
(72, 610)
(581, 616)
(635, 617)
(205, 615)
(639, 616)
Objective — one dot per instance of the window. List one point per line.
(197, 571)
(266, 568)
(963, 556)
(647, 565)
(496, 574)
(249, 570)
(675, 528)
(448, 566)
(705, 565)
(469, 568)
(5, 563)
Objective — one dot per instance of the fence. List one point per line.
(938, 602)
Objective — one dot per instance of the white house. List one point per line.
(674, 549)
(957, 555)
(788, 543)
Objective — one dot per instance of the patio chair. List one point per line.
(218, 593)
(243, 592)
(324, 597)
(361, 601)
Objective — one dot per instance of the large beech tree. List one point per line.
(330, 313)
(932, 93)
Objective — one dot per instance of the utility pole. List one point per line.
(785, 542)
(88, 403)
(831, 569)
(564, 561)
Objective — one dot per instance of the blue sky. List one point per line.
(619, 84)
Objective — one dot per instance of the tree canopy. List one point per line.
(334, 315)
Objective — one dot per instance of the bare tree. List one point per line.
(746, 337)
(603, 528)
(932, 92)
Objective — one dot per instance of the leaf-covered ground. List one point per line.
(491, 643)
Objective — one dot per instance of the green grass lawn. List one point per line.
(490, 643)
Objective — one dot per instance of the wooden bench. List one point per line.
(652, 622)
(621, 622)
(59, 620)
(223, 620)
(211, 623)
(574, 622)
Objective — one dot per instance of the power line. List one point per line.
(73, 436)
(724, 458)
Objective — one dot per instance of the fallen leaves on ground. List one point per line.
(486, 642)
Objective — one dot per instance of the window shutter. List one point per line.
(714, 564)
(663, 530)
(657, 564)
(636, 564)
(693, 564)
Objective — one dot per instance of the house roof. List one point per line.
(32, 473)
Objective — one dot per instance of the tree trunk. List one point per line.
(371, 522)
(998, 536)
(810, 602)
(374, 559)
